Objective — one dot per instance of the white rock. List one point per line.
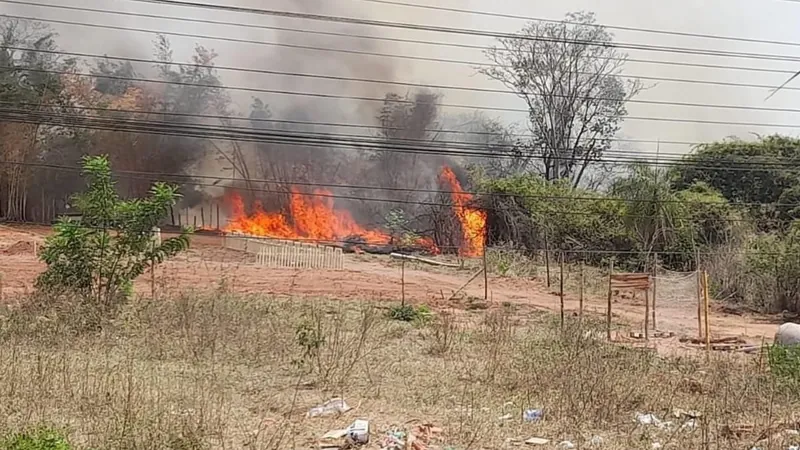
(788, 334)
(537, 441)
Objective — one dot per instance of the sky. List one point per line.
(754, 19)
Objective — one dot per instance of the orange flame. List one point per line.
(473, 221)
(312, 217)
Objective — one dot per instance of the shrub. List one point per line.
(35, 439)
(784, 362)
(410, 313)
(98, 256)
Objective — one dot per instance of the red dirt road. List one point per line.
(366, 277)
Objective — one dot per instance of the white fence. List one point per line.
(278, 253)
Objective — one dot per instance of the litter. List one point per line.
(596, 441)
(332, 406)
(335, 434)
(537, 441)
(505, 417)
(651, 419)
(567, 445)
(358, 432)
(532, 415)
(419, 439)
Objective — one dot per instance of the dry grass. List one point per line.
(217, 370)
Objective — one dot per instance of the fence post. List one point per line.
(608, 311)
(485, 277)
(402, 282)
(217, 216)
(705, 311)
(699, 303)
(655, 275)
(580, 293)
(647, 314)
(547, 257)
(561, 289)
(202, 217)
(1, 287)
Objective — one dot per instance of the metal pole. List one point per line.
(705, 310)
(608, 311)
(561, 290)
(485, 277)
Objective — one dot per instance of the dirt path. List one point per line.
(377, 278)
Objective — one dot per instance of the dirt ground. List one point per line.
(207, 265)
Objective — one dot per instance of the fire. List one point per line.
(473, 221)
(313, 217)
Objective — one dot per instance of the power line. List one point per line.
(161, 176)
(399, 83)
(328, 140)
(350, 125)
(599, 26)
(383, 100)
(464, 31)
(346, 35)
(599, 214)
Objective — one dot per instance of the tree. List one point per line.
(28, 83)
(762, 173)
(98, 256)
(568, 73)
(652, 211)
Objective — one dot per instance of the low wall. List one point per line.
(286, 254)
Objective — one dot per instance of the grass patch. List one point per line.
(216, 370)
(41, 438)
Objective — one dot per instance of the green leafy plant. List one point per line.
(410, 313)
(98, 256)
(784, 361)
(35, 439)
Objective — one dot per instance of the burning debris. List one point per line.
(313, 217)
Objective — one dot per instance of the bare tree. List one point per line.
(568, 74)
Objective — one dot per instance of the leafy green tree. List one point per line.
(652, 211)
(762, 172)
(98, 256)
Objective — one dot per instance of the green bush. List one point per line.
(410, 313)
(784, 362)
(97, 257)
(36, 439)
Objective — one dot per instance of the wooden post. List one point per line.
(1, 287)
(647, 314)
(547, 258)
(485, 277)
(561, 290)
(402, 282)
(580, 293)
(699, 303)
(195, 222)
(152, 280)
(202, 217)
(699, 295)
(705, 310)
(655, 274)
(217, 216)
(608, 311)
